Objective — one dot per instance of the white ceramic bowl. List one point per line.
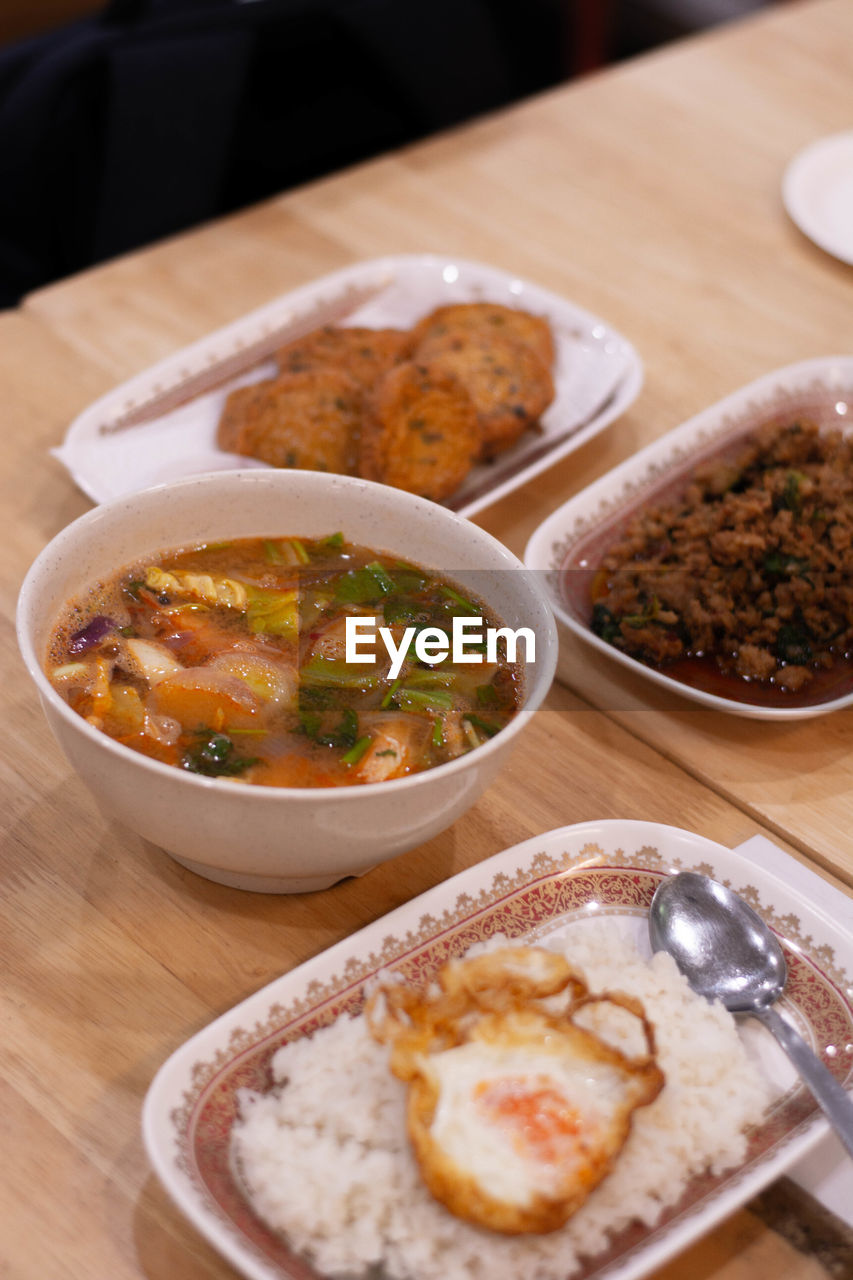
(276, 839)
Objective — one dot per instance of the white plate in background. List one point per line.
(161, 424)
(818, 193)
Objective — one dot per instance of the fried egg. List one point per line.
(515, 1113)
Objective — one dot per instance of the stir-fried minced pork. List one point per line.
(753, 566)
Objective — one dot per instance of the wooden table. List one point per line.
(649, 194)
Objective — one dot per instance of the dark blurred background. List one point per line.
(126, 121)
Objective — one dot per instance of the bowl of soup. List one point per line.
(280, 678)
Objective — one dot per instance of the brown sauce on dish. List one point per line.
(704, 673)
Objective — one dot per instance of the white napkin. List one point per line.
(827, 1172)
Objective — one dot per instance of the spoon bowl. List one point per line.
(718, 941)
(728, 953)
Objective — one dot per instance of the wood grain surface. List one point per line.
(649, 194)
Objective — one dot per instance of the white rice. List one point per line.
(324, 1157)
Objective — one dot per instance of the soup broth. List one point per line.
(230, 660)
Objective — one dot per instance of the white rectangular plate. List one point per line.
(548, 885)
(568, 545)
(162, 424)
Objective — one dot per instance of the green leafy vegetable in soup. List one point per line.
(231, 660)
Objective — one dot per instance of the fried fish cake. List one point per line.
(365, 354)
(420, 432)
(239, 410)
(308, 420)
(508, 383)
(489, 319)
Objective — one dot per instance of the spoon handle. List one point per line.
(834, 1100)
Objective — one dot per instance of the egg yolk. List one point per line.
(538, 1117)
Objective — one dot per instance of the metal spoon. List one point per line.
(728, 953)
